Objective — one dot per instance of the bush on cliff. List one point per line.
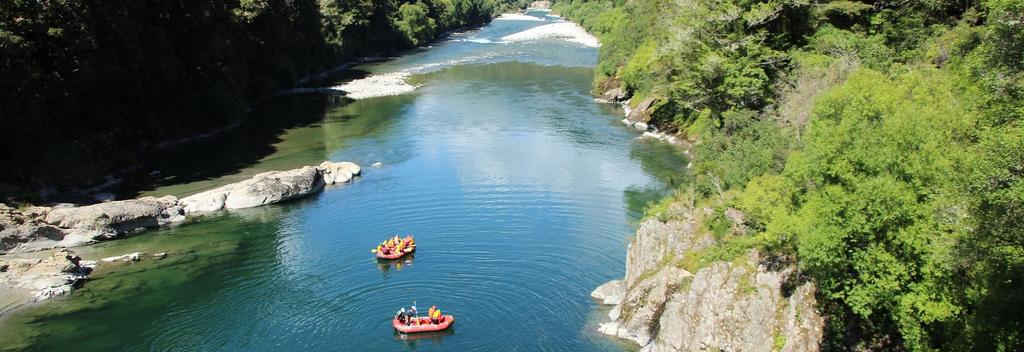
(878, 143)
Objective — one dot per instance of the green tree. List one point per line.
(413, 22)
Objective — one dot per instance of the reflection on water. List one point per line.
(664, 162)
(414, 341)
(519, 186)
(283, 133)
(387, 265)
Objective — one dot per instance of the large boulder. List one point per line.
(642, 112)
(338, 172)
(615, 95)
(273, 187)
(610, 293)
(203, 202)
(51, 276)
(18, 229)
(119, 217)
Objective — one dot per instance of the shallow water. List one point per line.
(521, 191)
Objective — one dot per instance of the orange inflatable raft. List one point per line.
(424, 326)
(396, 255)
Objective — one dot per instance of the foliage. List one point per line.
(705, 58)
(742, 148)
(875, 165)
(890, 170)
(414, 23)
(92, 85)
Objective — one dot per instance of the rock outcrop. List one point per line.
(615, 95)
(262, 189)
(23, 280)
(274, 187)
(26, 230)
(39, 228)
(118, 217)
(610, 293)
(741, 305)
(44, 278)
(339, 172)
(641, 114)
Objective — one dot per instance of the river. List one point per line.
(521, 190)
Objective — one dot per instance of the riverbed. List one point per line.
(521, 190)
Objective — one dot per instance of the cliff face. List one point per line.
(744, 305)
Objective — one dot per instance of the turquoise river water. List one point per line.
(522, 192)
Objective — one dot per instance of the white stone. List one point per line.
(130, 257)
(207, 201)
(338, 172)
(273, 187)
(611, 292)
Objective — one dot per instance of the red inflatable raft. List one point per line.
(396, 255)
(424, 326)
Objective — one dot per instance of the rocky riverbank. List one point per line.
(752, 303)
(638, 116)
(37, 228)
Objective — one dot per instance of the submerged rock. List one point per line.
(130, 257)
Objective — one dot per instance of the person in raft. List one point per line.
(396, 244)
(400, 316)
(435, 315)
(415, 314)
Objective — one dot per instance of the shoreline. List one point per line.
(36, 264)
(97, 189)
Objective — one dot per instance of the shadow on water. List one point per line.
(280, 133)
(387, 265)
(663, 161)
(433, 338)
(230, 152)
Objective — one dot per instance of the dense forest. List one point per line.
(879, 145)
(89, 86)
